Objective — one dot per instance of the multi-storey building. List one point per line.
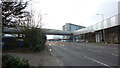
(71, 27)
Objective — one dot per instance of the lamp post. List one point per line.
(103, 28)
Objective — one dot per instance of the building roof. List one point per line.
(74, 25)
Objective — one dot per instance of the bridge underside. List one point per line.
(56, 39)
(47, 31)
(56, 32)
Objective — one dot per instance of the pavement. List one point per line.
(36, 60)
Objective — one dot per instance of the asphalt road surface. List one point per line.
(85, 54)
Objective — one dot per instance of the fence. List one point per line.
(110, 22)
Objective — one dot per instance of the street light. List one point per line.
(103, 28)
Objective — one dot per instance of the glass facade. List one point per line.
(71, 27)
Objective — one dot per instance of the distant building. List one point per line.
(57, 37)
(119, 7)
(72, 28)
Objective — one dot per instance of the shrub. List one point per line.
(10, 61)
(35, 39)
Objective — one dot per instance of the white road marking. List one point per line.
(98, 62)
(114, 55)
(49, 44)
(57, 60)
(52, 43)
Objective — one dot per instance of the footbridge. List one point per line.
(56, 32)
(104, 31)
(47, 31)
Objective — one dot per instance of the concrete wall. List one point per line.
(90, 37)
(111, 36)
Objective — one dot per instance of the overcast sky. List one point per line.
(81, 12)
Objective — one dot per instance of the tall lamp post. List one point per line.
(103, 28)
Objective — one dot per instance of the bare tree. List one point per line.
(33, 22)
(34, 36)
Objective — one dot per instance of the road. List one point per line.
(85, 54)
